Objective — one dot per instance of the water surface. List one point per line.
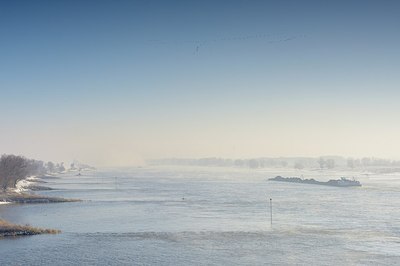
(209, 216)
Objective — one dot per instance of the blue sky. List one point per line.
(198, 78)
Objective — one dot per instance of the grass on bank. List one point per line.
(24, 198)
(9, 229)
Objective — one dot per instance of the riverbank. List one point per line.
(26, 198)
(22, 192)
(9, 229)
(21, 195)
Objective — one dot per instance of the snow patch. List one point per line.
(24, 184)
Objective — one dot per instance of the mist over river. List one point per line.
(209, 216)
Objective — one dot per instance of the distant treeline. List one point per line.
(78, 166)
(14, 168)
(323, 162)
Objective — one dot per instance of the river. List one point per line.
(209, 216)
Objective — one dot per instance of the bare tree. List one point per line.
(50, 167)
(350, 163)
(298, 166)
(321, 162)
(12, 169)
(330, 163)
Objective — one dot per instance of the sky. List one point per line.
(118, 82)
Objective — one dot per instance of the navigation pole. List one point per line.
(270, 208)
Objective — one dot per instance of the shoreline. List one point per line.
(8, 229)
(19, 195)
(26, 198)
(22, 193)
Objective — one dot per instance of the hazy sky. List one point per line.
(117, 82)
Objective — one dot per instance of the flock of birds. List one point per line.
(269, 38)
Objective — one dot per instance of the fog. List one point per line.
(122, 145)
(199, 132)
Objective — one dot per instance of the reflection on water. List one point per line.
(209, 216)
